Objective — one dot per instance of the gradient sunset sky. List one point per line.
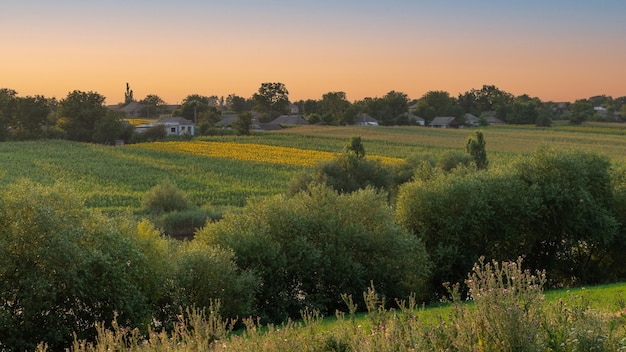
(552, 49)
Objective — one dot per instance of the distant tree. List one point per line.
(79, 113)
(111, 128)
(272, 99)
(310, 106)
(476, 148)
(437, 103)
(581, 110)
(242, 125)
(128, 95)
(31, 117)
(522, 112)
(355, 146)
(193, 106)
(8, 99)
(153, 106)
(335, 104)
(237, 104)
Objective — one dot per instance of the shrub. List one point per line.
(310, 249)
(208, 274)
(552, 208)
(347, 173)
(165, 197)
(64, 267)
(452, 159)
(182, 223)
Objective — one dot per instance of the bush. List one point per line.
(310, 249)
(165, 197)
(553, 208)
(63, 268)
(208, 274)
(347, 173)
(182, 223)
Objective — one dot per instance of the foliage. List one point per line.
(165, 197)
(581, 110)
(437, 103)
(311, 248)
(242, 124)
(206, 274)
(520, 321)
(271, 99)
(476, 148)
(453, 159)
(182, 223)
(552, 208)
(63, 267)
(79, 113)
(355, 146)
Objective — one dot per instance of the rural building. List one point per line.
(290, 120)
(444, 122)
(471, 120)
(364, 119)
(174, 126)
(414, 119)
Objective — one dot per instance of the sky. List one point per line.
(556, 50)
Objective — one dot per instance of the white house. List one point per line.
(173, 126)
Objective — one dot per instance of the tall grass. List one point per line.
(506, 311)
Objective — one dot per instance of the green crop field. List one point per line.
(115, 178)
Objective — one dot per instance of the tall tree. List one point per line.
(335, 104)
(128, 95)
(8, 99)
(31, 117)
(582, 110)
(153, 105)
(476, 148)
(79, 113)
(272, 99)
(437, 103)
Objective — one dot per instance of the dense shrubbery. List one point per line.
(310, 249)
(553, 208)
(62, 268)
(509, 313)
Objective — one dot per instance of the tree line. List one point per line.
(82, 116)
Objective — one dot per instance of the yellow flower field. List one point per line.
(250, 152)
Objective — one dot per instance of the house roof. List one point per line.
(290, 120)
(175, 120)
(132, 106)
(493, 120)
(443, 121)
(363, 117)
(412, 117)
(227, 120)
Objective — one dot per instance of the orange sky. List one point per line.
(563, 51)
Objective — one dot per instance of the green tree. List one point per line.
(31, 117)
(64, 267)
(128, 95)
(8, 99)
(437, 103)
(476, 148)
(79, 113)
(272, 99)
(581, 110)
(335, 104)
(153, 106)
(311, 248)
(242, 124)
(355, 146)
(238, 104)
